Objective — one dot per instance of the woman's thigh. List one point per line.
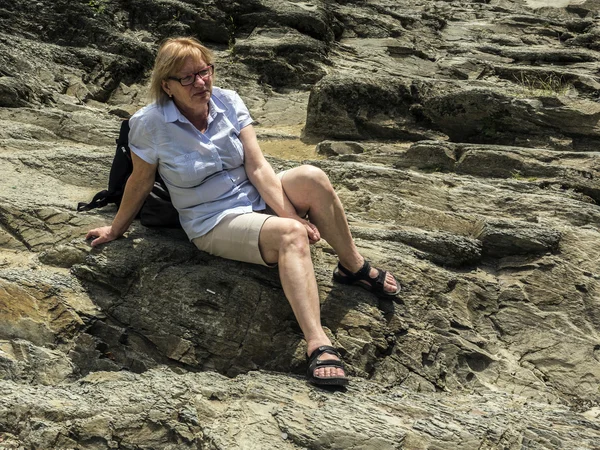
(235, 237)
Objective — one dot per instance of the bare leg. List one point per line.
(285, 241)
(310, 191)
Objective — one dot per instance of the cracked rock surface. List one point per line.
(463, 139)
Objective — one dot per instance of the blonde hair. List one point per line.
(172, 55)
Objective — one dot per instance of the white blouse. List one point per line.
(204, 172)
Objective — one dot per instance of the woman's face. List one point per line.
(192, 96)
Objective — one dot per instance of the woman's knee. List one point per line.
(315, 177)
(293, 234)
(280, 235)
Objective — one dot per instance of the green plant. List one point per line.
(541, 85)
(99, 6)
(432, 169)
(231, 29)
(517, 175)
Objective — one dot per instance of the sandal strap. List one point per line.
(361, 274)
(344, 270)
(364, 271)
(376, 285)
(323, 349)
(380, 280)
(314, 362)
(326, 363)
(364, 274)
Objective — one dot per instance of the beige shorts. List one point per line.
(236, 236)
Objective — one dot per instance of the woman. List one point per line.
(202, 141)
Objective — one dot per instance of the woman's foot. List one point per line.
(373, 279)
(325, 367)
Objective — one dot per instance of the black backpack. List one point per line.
(157, 211)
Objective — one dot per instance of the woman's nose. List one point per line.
(199, 80)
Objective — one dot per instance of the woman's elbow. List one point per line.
(256, 174)
(142, 184)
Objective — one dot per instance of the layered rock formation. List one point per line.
(463, 140)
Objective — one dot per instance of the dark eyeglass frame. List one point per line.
(210, 70)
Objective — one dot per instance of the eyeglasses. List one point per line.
(189, 79)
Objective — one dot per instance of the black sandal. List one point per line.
(375, 284)
(314, 363)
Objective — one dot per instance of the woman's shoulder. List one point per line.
(149, 118)
(225, 95)
(228, 99)
(146, 112)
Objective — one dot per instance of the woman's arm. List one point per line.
(263, 178)
(138, 187)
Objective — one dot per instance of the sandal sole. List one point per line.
(328, 382)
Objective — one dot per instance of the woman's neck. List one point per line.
(197, 116)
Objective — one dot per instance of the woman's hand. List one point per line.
(138, 187)
(102, 235)
(313, 232)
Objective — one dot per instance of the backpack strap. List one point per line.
(99, 200)
(120, 170)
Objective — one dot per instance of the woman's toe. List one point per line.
(390, 283)
(329, 372)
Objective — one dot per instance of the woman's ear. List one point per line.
(165, 86)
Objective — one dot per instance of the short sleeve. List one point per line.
(140, 140)
(243, 115)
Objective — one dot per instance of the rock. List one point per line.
(461, 138)
(192, 413)
(503, 238)
(227, 345)
(283, 56)
(430, 155)
(22, 361)
(364, 23)
(37, 308)
(44, 72)
(312, 19)
(333, 148)
(63, 256)
(588, 39)
(575, 170)
(206, 21)
(14, 93)
(442, 248)
(347, 108)
(482, 115)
